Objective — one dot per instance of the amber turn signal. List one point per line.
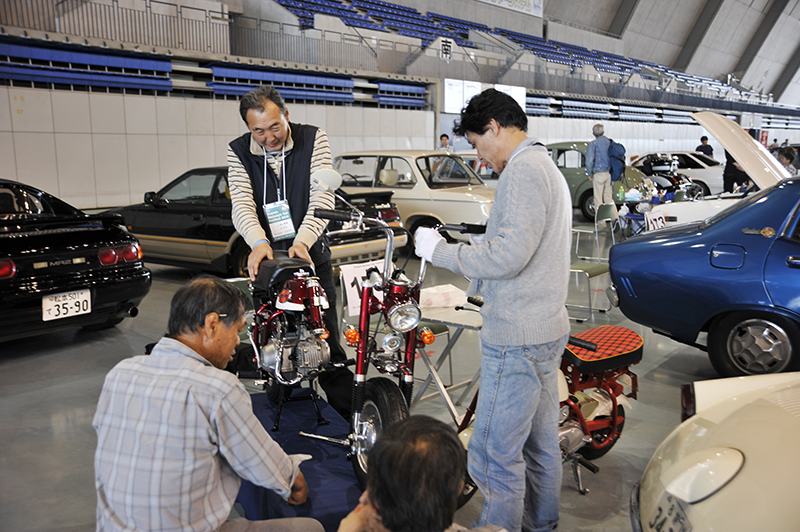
(352, 335)
(325, 335)
(427, 336)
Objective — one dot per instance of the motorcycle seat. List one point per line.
(279, 270)
(616, 347)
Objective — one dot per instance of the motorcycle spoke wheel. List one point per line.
(383, 405)
(599, 435)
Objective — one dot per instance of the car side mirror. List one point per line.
(151, 198)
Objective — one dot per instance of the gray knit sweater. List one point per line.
(523, 265)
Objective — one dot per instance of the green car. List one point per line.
(570, 157)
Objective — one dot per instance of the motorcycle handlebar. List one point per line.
(463, 228)
(328, 214)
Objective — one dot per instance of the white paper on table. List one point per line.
(443, 295)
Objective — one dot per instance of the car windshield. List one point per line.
(16, 200)
(705, 159)
(445, 171)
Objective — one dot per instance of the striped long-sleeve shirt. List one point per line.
(244, 207)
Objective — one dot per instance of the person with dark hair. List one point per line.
(705, 147)
(444, 143)
(416, 473)
(598, 166)
(175, 435)
(273, 202)
(786, 157)
(522, 272)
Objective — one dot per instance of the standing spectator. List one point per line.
(785, 143)
(416, 472)
(598, 166)
(705, 147)
(176, 433)
(522, 271)
(444, 143)
(733, 174)
(269, 171)
(774, 144)
(786, 157)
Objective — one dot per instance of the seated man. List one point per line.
(175, 435)
(416, 473)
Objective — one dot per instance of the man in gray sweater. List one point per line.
(522, 268)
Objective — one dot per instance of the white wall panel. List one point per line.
(5, 110)
(140, 115)
(336, 119)
(71, 112)
(75, 162)
(173, 157)
(298, 113)
(171, 116)
(386, 126)
(354, 124)
(8, 161)
(110, 153)
(35, 154)
(31, 110)
(372, 142)
(199, 117)
(200, 150)
(227, 121)
(107, 113)
(143, 171)
(221, 149)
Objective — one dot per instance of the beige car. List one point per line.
(430, 187)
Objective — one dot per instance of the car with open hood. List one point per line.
(719, 470)
(703, 170)
(61, 268)
(429, 187)
(734, 276)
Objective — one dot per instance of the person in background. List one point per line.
(416, 473)
(705, 147)
(522, 271)
(786, 157)
(785, 143)
(444, 143)
(598, 166)
(269, 172)
(733, 175)
(176, 433)
(774, 144)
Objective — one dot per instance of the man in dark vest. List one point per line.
(269, 176)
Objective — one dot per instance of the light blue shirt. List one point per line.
(597, 156)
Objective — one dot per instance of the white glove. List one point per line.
(425, 241)
(478, 238)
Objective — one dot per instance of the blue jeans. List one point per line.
(514, 456)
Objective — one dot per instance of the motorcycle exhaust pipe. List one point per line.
(133, 311)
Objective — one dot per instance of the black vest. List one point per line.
(298, 184)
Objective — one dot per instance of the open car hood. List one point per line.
(763, 168)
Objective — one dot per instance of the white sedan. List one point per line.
(702, 169)
(725, 467)
(430, 187)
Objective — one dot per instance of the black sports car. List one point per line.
(188, 223)
(61, 268)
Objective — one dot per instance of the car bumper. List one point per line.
(112, 296)
(636, 522)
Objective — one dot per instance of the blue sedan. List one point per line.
(735, 275)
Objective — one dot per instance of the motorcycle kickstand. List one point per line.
(314, 396)
(577, 461)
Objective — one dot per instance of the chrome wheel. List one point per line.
(758, 346)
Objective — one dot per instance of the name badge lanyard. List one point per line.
(278, 214)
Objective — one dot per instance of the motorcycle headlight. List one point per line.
(404, 317)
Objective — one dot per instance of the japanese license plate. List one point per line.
(66, 304)
(668, 516)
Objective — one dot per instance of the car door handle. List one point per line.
(792, 260)
(197, 217)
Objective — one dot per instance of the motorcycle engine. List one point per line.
(299, 353)
(570, 437)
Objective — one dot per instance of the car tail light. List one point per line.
(688, 405)
(108, 256)
(131, 252)
(7, 269)
(389, 214)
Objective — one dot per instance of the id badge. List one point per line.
(279, 218)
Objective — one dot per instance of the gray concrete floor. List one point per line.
(49, 386)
